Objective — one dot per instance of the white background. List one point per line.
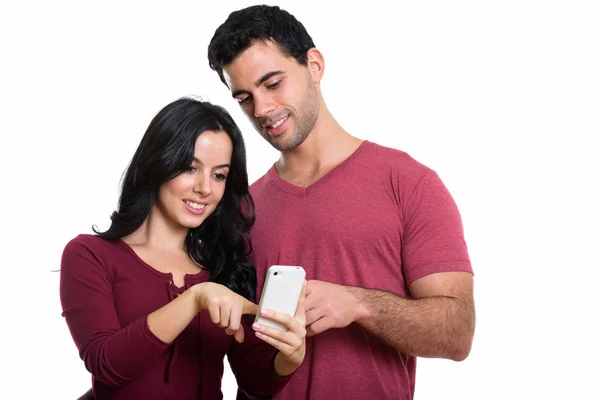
(502, 99)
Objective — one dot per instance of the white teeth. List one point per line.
(276, 124)
(195, 206)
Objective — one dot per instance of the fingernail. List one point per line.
(258, 334)
(256, 325)
(264, 312)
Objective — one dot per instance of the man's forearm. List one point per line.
(440, 327)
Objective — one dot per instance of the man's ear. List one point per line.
(315, 64)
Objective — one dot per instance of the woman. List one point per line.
(155, 302)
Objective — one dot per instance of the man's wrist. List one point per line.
(362, 311)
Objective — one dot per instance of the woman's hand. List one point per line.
(291, 344)
(224, 306)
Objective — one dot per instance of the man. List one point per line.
(377, 232)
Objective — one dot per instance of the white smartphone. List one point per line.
(281, 292)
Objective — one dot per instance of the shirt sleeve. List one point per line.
(433, 238)
(112, 354)
(252, 364)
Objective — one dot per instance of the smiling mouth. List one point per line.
(278, 127)
(277, 123)
(195, 206)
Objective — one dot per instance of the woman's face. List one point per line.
(189, 198)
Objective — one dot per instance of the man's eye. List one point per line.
(244, 100)
(274, 85)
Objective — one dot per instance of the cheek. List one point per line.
(175, 188)
(219, 191)
(289, 94)
(165, 192)
(182, 184)
(248, 112)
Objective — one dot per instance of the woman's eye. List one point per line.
(220, 177)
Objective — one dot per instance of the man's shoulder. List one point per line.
(395, 159)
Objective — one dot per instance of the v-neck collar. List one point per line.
(283, 185)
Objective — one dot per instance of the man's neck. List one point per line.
(326, 147)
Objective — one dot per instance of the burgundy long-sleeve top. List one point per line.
(107, 293)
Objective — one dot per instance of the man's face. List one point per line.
(276, 93)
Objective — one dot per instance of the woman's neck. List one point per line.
(158, 233)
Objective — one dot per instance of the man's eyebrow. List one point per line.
(267, 76)
(216, 166)
(259, 82)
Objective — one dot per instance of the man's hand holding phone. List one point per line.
(330, 305)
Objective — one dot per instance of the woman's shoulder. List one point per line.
(92, 252)
(88, 240)
(91, 244)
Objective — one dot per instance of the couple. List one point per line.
(156, 302)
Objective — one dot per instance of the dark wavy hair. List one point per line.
(221, 243)
(244, 27)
